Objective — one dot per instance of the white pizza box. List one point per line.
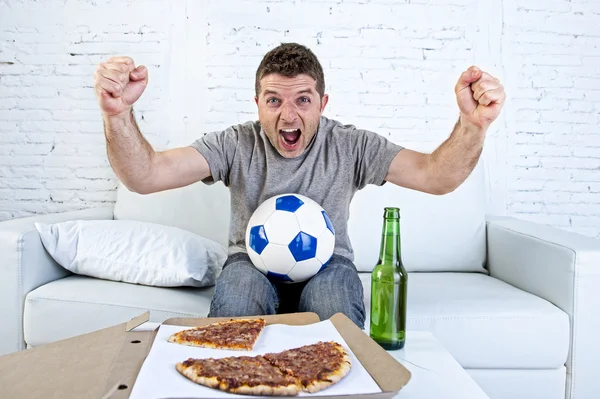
(105, 364)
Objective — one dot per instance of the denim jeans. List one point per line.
(242, 290)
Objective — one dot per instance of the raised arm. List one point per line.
(480, 97)
(118, 85)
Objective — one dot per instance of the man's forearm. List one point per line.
(452, 162)
(129, 153)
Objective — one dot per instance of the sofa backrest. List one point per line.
(439, 233)
(199, 208)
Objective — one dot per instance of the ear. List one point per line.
(256, 100)
(324, 101)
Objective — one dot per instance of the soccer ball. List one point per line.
(290, 238)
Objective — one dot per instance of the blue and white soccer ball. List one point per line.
(290, 238)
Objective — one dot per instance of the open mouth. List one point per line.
(290, 138)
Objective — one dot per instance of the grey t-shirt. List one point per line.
(340, 160)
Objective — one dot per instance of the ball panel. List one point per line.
(303, 246)
(280, 277)
(288, 203)
(328, 222)
(281, 227)
(310, 219)
(257, 261)
(325, 247)
(305, 269)
(257, 239)
(262, 213)
(278, 258)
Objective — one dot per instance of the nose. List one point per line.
(288, 113)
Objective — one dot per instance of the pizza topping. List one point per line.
(232, 334)
(311, 362)
(237, 371)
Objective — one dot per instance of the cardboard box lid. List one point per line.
(104, 364)
(72, 368)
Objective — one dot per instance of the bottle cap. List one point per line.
(391, 213)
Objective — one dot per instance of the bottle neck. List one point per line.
(390, 252)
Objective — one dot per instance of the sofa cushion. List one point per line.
(484, 322)
(77, 305)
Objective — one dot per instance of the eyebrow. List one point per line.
(303, 91)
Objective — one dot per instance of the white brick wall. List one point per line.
(552, 60)
(390, 66)
(52, 149)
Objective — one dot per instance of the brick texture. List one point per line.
(52, 148)
(390, 66)
(553, 165)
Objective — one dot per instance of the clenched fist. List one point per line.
(480, 98)
(118, 84)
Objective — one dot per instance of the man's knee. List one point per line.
(337, 288)
(242, 290)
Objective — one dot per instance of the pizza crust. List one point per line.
(180, 341)
(333, 377)
(290, 390)
(190, 372)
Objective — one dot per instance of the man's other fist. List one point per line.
(118, 84)
(480, 97)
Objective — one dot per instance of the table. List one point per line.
(435, 373)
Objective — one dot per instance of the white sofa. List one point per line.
(514, 302)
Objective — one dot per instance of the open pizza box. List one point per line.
(106, 364)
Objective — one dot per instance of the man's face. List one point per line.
(289, 110)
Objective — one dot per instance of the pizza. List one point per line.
(242, 375)
(316, 366)
(234, 334)
(309, 368)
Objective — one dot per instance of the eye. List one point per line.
(272, 100)
(304, 100)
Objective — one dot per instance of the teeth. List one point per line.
(288, 130)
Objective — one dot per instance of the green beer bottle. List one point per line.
(388, 287)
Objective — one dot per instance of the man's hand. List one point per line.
(480, 97)
(118, 84)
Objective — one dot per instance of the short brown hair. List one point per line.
(291, 59)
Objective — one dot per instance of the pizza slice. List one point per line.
(241, 375)
(235, 334)
(316, 366)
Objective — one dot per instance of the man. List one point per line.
(292, 148)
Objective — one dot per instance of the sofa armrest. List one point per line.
(25, 265)
(563, 268)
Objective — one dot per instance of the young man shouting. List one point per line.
(291, 148)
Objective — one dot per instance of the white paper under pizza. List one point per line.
(158, 377)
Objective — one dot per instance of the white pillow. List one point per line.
(134, 252)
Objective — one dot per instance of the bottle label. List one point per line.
(388, 311)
